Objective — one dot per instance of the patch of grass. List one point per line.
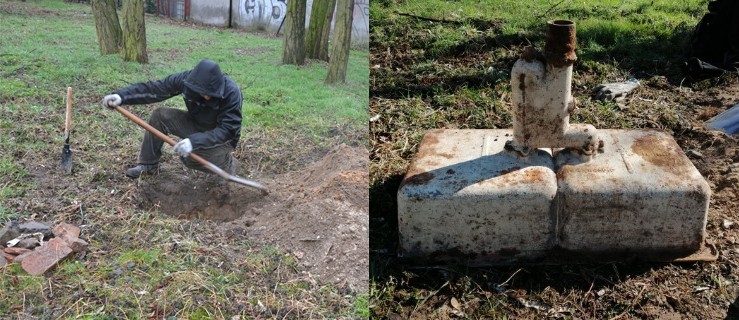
(361, 306)
(20, 290)
(625, 30)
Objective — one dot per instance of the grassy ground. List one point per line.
(439, 64)
(142, 263)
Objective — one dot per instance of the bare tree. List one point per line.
(107, 26)
(316, 40)
(293, 43)
(341, 42)
(134, 32)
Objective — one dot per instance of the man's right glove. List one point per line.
(112, 101)
(183, 148)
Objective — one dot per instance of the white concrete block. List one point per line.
(641, 194)
(464, 196)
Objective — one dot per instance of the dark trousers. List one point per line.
(179, 123)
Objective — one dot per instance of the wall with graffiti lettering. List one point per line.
(268, 15)
(262, 15)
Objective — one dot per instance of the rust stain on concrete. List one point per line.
(417, 179)
(663, 153)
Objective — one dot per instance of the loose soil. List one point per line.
(318, 214)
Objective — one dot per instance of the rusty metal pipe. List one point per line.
(559, 48)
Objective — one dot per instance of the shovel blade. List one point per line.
(66, 160)
(249, 183)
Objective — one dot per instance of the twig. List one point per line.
(427, 18)
(509, 278)
(427, 298)
(550, 9)
(633, 302)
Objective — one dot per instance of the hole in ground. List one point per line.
(206, 197)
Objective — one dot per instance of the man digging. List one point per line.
(211, 126)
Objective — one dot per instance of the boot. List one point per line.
(140, 169)
(234, 168)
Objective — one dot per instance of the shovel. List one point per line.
(66, 152)
(206, 163)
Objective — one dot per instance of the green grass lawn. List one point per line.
(140, 263)
(607, 29)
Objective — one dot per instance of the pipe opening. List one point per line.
(562, 23)
(559, 47)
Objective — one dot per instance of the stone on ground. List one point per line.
(46, 256)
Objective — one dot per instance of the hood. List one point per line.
(206, 79)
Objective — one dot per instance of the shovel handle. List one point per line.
(194, 156)
(68, 119)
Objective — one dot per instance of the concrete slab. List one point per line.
(641, 195)
(465, 197)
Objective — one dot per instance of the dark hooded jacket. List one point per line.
(220, 116)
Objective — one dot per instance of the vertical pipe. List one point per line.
(559, 49)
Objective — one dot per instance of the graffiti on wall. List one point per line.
(267, 15)
(264, 14)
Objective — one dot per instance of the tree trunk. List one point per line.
(341, 40)
(293, 44)
(316, 41)
(108, 28)
(134, 32)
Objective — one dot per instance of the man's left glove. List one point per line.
(183, 148)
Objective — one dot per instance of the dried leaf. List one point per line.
(455, 304)
(727, 224)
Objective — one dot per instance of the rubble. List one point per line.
(16, 250)
(8, 257)
(46, 256)
(9, 232)
(66, 231)
(27, 240)
(35, 227)
(19, 258)
(26, 245)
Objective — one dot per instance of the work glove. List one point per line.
(616, 91)
(112, 101)
(183, 148)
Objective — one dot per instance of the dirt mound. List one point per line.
(318, 214)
